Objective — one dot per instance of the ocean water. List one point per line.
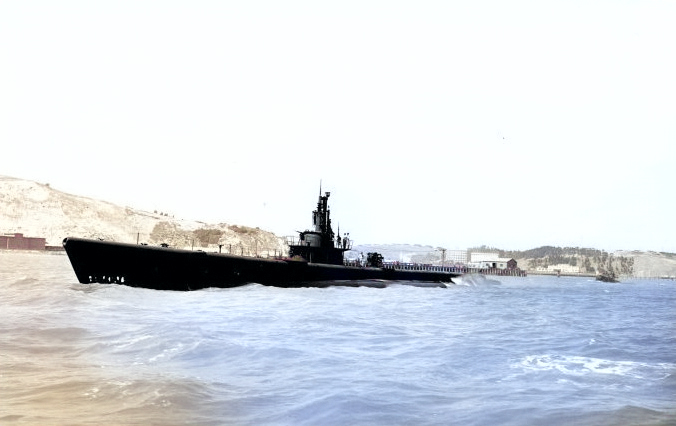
(488, 351)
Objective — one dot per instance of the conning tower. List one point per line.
(320, 245)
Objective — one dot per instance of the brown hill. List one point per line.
(37, 210)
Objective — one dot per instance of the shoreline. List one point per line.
(562, 274)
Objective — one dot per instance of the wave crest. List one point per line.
(581, 366)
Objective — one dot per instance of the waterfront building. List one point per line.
(456, 256)
(476, 257)
(17, 241)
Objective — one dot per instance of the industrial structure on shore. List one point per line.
(17, 241)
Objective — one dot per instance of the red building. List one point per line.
(19, 242)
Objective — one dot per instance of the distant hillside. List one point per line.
(589, 260)
(37, 210)
(652, 264)
(592, 261)
(407, 253)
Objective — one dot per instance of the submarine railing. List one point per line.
(515, 272)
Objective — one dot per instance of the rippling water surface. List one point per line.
(499, 351)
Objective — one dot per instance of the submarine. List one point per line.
(316, 259)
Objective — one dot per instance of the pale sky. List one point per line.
(513, 124)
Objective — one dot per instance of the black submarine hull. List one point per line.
(161, 268)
